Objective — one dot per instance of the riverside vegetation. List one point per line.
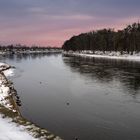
(123, 41)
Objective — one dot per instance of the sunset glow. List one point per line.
(47, 22)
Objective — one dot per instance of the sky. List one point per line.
(51, 22)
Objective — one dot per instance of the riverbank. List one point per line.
(30, 51)
(12, 124)
(105, 55)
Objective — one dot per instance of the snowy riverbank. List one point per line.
(105, 55)
(12, 125)
(30, 51)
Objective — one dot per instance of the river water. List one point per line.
(91, 99)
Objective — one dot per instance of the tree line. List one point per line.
(19, 47)
(126, 40)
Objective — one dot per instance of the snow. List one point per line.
(31, 51)
(3, 95)
(10, 131)
(9, 73)
(4, 89)
(107, 55)
(2, 64)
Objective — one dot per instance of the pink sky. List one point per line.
(41, 35)
(50, 23)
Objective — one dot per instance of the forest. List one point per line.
(125, 40)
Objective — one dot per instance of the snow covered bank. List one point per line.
(10, 131)
(106, 55)
(12, 125)
(18, 51)
(15, 127)
(6, 88)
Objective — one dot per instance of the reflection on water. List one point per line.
(107, 70)
(19, 57)
(91, 99)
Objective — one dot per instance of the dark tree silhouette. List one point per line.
(127, 40)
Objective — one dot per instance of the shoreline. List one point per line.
(10, 112)
(30, 52)
(107, 55)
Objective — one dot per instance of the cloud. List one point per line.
(28, 20)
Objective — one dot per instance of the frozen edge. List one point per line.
(106, 55)
(12, 124)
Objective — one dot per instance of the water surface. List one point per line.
(91, 99)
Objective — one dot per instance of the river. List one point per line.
(73, 97)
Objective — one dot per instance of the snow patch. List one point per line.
(9, 73)
(4, 94)
(106, 54)
(10, 131)
(4, 88)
